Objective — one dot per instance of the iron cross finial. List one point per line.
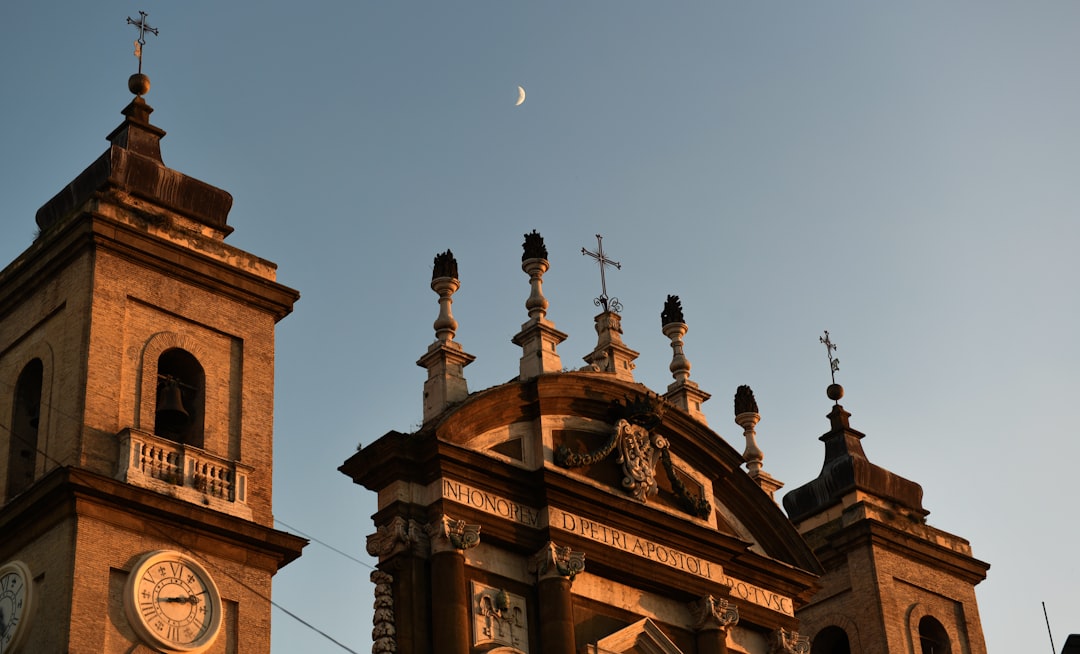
(834, 364)
(608, 303)
(143, 28)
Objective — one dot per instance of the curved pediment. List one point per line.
(598, 432)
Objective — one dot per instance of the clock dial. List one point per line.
(172, 603)
(16, 596)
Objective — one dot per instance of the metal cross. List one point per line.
(143, 28)
(834, 364)
(609, 303)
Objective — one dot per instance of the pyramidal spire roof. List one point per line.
(131, 173)
(847, 469)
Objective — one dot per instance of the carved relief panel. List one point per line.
(499, 618)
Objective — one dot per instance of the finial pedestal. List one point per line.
(680, 366)
(747, 417)
(445, 360)
(445, 325)
(611, 354)
(538, 337)
(683, 393)
(752, 454)
(537, 304)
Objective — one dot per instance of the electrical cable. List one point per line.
(327, 546)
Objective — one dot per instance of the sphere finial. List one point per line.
(139, 84)
(835, 392)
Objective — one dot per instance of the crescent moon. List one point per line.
(521, 97)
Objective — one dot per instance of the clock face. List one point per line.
(172, 603)
(16, 595)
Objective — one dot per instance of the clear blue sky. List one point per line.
(901, 174)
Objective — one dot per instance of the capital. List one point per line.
(714, 613)
(399, 535)
(448, 534)
(788, 642)
(557, 561)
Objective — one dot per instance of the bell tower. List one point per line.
(136, 415)
(892, 582)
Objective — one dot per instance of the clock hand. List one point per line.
(190, 599)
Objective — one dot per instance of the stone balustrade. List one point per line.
(183, 471)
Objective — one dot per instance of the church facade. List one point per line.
(136, 378)
(579, 512)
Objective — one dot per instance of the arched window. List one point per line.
(25, 418)
(932, 637)
(831, 640)
(178, 414)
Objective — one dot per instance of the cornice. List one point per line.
(878, 535)
(68, 492)
(89, 231)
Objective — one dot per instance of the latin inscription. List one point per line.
(642, 547)
(598, 532)
(489, 503)
(760, 596)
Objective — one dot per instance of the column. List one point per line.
(449, 594)
(555, 569)
(713, 619)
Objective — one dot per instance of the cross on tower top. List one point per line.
(143, 28)
(834, 364)
(608, 303)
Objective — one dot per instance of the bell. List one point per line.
(171, 414)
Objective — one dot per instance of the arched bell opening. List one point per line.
(25, 419)
(933, 639)
(180, 400)
(831, 640)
